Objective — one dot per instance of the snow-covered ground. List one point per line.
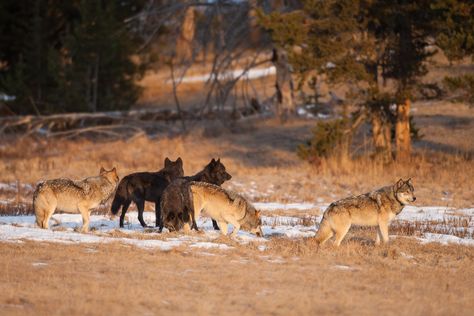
(105, 230)
(245, 74)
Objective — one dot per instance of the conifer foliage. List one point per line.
(68, 56)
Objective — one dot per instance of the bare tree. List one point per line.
(221, 27)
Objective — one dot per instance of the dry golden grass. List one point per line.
(292, 277)
(261, 157)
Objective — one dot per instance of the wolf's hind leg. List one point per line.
(46, 218)
(193, 219)
(40, 215)
(141, 209)
(44, 215)
(341, 232)
(48, 212)
(125, 207)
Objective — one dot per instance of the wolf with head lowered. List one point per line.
(176, 202)
(145, 186)
(73, 196)
(226, 207)
(376, 208)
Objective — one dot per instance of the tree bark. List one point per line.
(255, 30)
(283, 84)
(402, 131)
(381, 136)
(95, 82)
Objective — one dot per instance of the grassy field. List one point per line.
(291, 275)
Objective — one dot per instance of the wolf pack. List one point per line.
(180, 200)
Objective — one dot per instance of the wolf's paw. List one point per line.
(84, 230)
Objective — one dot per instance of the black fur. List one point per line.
(145, 186)
(177, 204)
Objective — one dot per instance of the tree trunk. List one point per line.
(184, 43)
(255, 31)
(95, 82)
(283, 84)
(402, 131)
(381, 137)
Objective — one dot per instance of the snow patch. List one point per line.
(104, 230)
(445, 239)
(272, 206)
(343, 267)
(228, 75)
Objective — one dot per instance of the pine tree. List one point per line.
(456, 38)
(62, 56)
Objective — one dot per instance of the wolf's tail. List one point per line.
(325, 231)
(120, 197)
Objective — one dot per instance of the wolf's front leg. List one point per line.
(85, 212)
(236, 229)
(378, 236)
(382, 231)
(223, 227)
(186, 228)
(158, 219)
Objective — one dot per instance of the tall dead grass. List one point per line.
(261, 159)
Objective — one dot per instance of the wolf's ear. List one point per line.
(213, 161)
(409, 181)
(399, 184)
(114, 170)
(257, 212)
(219, 160)
(179, 160)
(102, 170)
(167, 162)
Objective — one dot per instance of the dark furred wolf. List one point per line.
(145, 186)
(176, 202)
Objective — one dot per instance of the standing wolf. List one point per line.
(226, 207)
(145, 186)
(176, 201)
(376, 208)
(73, 196)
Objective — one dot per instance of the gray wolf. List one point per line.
(226, 207)
(145, 186)
(73, 196)
(376, 208)
(176, 201)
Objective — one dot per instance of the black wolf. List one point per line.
(145, 186)
(176, 202)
